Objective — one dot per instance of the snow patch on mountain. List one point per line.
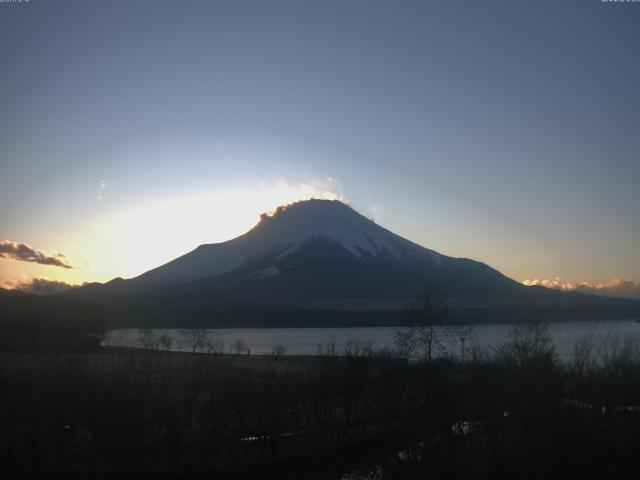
(262, 274)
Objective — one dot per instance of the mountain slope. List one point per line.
(319, 249)
(320, 262)
(284, 233)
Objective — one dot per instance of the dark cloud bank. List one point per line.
(24, 253)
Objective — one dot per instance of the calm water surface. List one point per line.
(308, 341)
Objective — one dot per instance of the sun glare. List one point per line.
(146, 236)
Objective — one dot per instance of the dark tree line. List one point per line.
(49, 323)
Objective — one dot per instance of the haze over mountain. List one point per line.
(321, 255)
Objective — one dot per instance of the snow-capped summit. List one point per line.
(284, 232)
(299, 222)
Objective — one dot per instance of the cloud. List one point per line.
(39, 286)
(24, 253)
(614, 287)
(327, 188)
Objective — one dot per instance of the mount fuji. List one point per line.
(320, 259)
(318, 250)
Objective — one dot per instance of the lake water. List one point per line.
(311, 341)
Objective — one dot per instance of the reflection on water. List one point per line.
(312, 341)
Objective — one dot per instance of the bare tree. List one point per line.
(328, 350)
(239, 346)
(425, 333)
(476, 352)
(404, 339)
(616, 355)
(355, 348)
(166, 341)
(583, 354)
(196, 338)
(279, 349)
(215, 344)
(528, 342)
(148, 339)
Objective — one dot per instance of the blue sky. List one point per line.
(504, 131)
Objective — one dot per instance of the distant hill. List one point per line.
(49, 323)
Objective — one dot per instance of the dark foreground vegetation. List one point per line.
(70, 409)
(512, 413)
